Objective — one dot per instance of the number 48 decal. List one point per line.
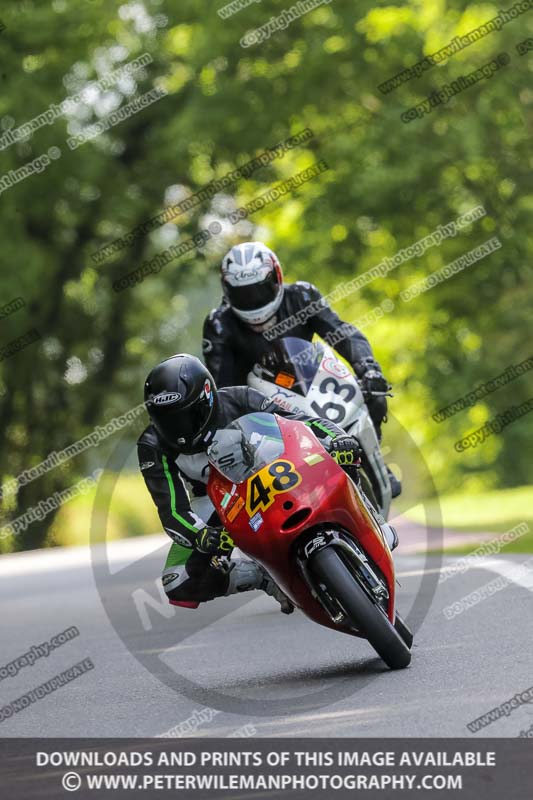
(268, 482)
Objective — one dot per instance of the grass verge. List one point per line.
(489, 512)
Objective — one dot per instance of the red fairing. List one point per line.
(328, 496)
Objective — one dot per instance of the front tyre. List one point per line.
(332, 572)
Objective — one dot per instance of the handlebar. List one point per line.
(378, 394)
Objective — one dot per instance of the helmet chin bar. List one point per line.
(198, 444)
(271, 321)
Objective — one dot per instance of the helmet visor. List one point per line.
(182, 427)
(253, 296)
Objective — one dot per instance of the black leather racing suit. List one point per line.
(167, 473)
(231, 347)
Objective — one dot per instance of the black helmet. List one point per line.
(180, 396)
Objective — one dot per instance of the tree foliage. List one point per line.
(388, 185)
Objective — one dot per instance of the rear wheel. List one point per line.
(360, 609)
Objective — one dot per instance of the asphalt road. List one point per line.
(157, 667)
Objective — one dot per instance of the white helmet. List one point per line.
(252, 282)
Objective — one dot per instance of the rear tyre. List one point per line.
(330, 570)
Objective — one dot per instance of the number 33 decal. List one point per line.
(268, 482)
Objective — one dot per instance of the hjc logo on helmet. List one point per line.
(165, 398)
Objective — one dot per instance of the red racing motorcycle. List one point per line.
(288, 505)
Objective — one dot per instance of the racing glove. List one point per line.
(214, 541)
(345, 450)
(373, 380)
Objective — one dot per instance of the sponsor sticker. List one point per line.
(335, 367)
(208, 392)
(256, 521)
(225, 500)
(313, 459)
(279, 399)
(147, 465)
(236, 506)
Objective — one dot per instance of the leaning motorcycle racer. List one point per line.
(257, 300)
(185, 409)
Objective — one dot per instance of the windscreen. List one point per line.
(291, 363)
(247, 445)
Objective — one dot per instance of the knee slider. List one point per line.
(195, 585)
(172, 579)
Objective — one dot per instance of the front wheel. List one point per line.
(340, 584)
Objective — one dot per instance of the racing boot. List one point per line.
(269, 587)
(391, 537)
(247, 575)
(395, 484)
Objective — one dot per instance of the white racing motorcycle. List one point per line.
(309, 377)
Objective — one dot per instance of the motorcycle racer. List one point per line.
(258, 306)
(185, 409)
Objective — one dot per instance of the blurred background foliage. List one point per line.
(389, 184)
